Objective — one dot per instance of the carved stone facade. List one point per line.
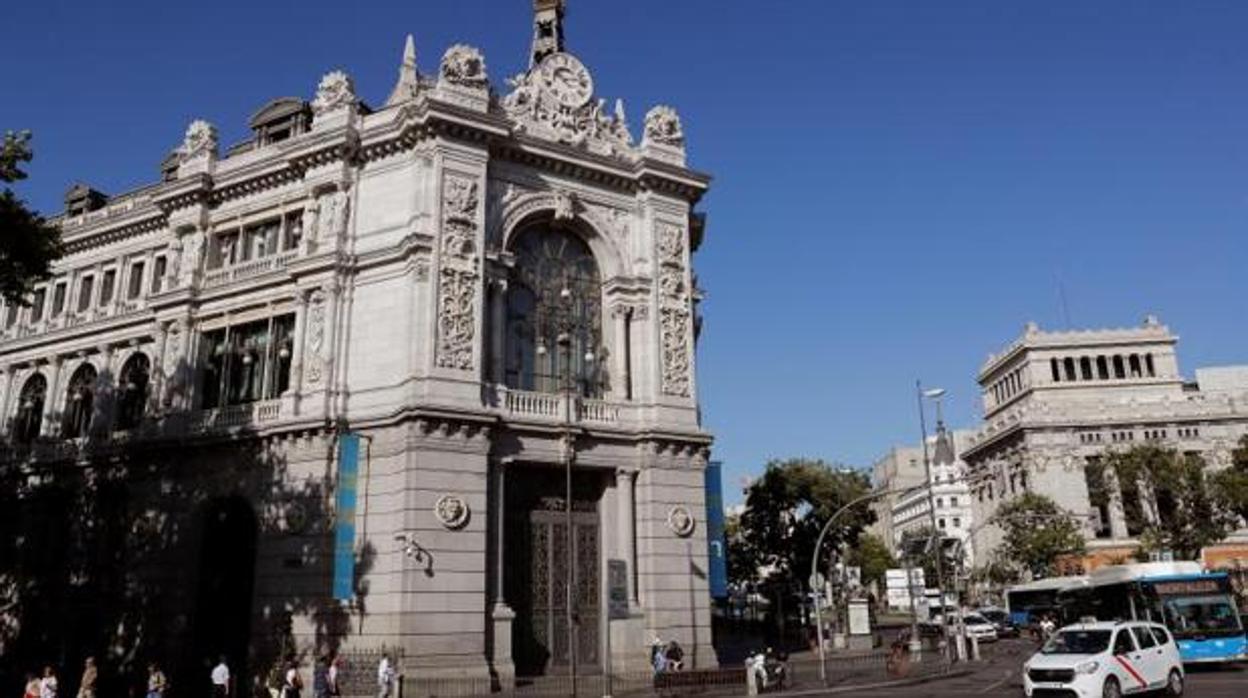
(363, 275)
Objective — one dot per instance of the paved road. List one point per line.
(999, 675)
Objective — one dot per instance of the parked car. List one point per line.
(1001, 621)
(1106, 659)
(977, 627)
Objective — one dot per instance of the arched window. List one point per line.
(1134, 362)
(1148, 363)
(554, 314)
(29, 418)
(1069, 364)
(79, 402)
(1057, 374)
(1119, 371)
(1102, 368)
(1085, 368)
(132, 391)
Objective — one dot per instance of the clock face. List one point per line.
(566, 80)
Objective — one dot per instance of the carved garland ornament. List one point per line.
(452, 511)
(457, 278)
(673, 310)
(680, 520)
(314, 363)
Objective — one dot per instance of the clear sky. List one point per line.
(899, 185)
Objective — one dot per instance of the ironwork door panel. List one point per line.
(548, 560)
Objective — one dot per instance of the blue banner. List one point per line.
(344, 522)
(716, 551)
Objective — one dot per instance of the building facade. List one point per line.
(495, 292)
(1054, 401)
(947, 491)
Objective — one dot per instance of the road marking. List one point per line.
(993, 685)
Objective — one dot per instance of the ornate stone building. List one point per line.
(1055, 401)
(488, 287)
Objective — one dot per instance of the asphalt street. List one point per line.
(999, 674)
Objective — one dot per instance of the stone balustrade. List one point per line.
(550, 407)
(248, 270)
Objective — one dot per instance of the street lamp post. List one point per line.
(934, 394)
(566, 320)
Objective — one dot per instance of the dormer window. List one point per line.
(81, 199)
(280, 120)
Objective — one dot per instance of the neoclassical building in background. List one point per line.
(1055, 401)
(484, 286)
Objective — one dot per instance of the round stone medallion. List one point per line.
(452, 511)
(680, 521)
(566, 80)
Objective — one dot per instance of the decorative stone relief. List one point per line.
(190, 258)
(663, 127)
(335, 91)
(464, 66)
(333, 210)
(457, 276)
(200, 141)
(680, 520)
(674, 312)
(314, 354)
(554, 101)
(565, 205)
(457, 290)
(452, 511)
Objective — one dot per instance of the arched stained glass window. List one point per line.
(79, 402)
(132, 391)
(554, 315)
(29, 418)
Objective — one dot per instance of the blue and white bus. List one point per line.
(1028, 603)
(1197, 606)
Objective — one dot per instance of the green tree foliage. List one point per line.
(28, 245)
(1038, 533)
(785, 509)
(1187, 513)
(873, 557)
(1231, 485)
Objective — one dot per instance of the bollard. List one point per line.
(751, 687)
(974, 648)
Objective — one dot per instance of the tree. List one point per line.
(1038, 533)
(920, 539)
(1186, 515)
(1231, 484)
(873, 557)
(28, 245)
(742, 562)
(786, 508)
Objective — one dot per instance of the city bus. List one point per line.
(1197, 606)
(1028, 603)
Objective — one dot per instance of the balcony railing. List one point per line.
(248, 270)
(551, 407)
(235, 416)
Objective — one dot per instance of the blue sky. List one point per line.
(899, 186)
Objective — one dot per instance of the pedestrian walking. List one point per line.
(293, 684)
(385, 677)
(48, 686)
(221, 679)
(32, 685)
(332, 676)
(157, 684)
(86, 687)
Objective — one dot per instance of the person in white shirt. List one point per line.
(221, 679)
(333, 677)
(385, 677)
(48, 686)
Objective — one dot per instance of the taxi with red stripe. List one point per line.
(1105, 660)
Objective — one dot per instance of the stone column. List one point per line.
(1117, 517)
(626, 516)
(498, 332)
(52, 399)
(620, 315)
(296, 357)
(6, 387)
(501, 614)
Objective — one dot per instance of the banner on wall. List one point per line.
(344, 518)
(717, 552)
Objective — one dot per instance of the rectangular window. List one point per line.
(136, 281)
(85, 289)
(957, 522)
(58, 299)
(158, 274)
(247, 362)
(37, 303)
(941, 523)
(107, 286)
(294, 230)
(940, 502)
(953, 501)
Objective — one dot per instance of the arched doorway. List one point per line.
(221, 623)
